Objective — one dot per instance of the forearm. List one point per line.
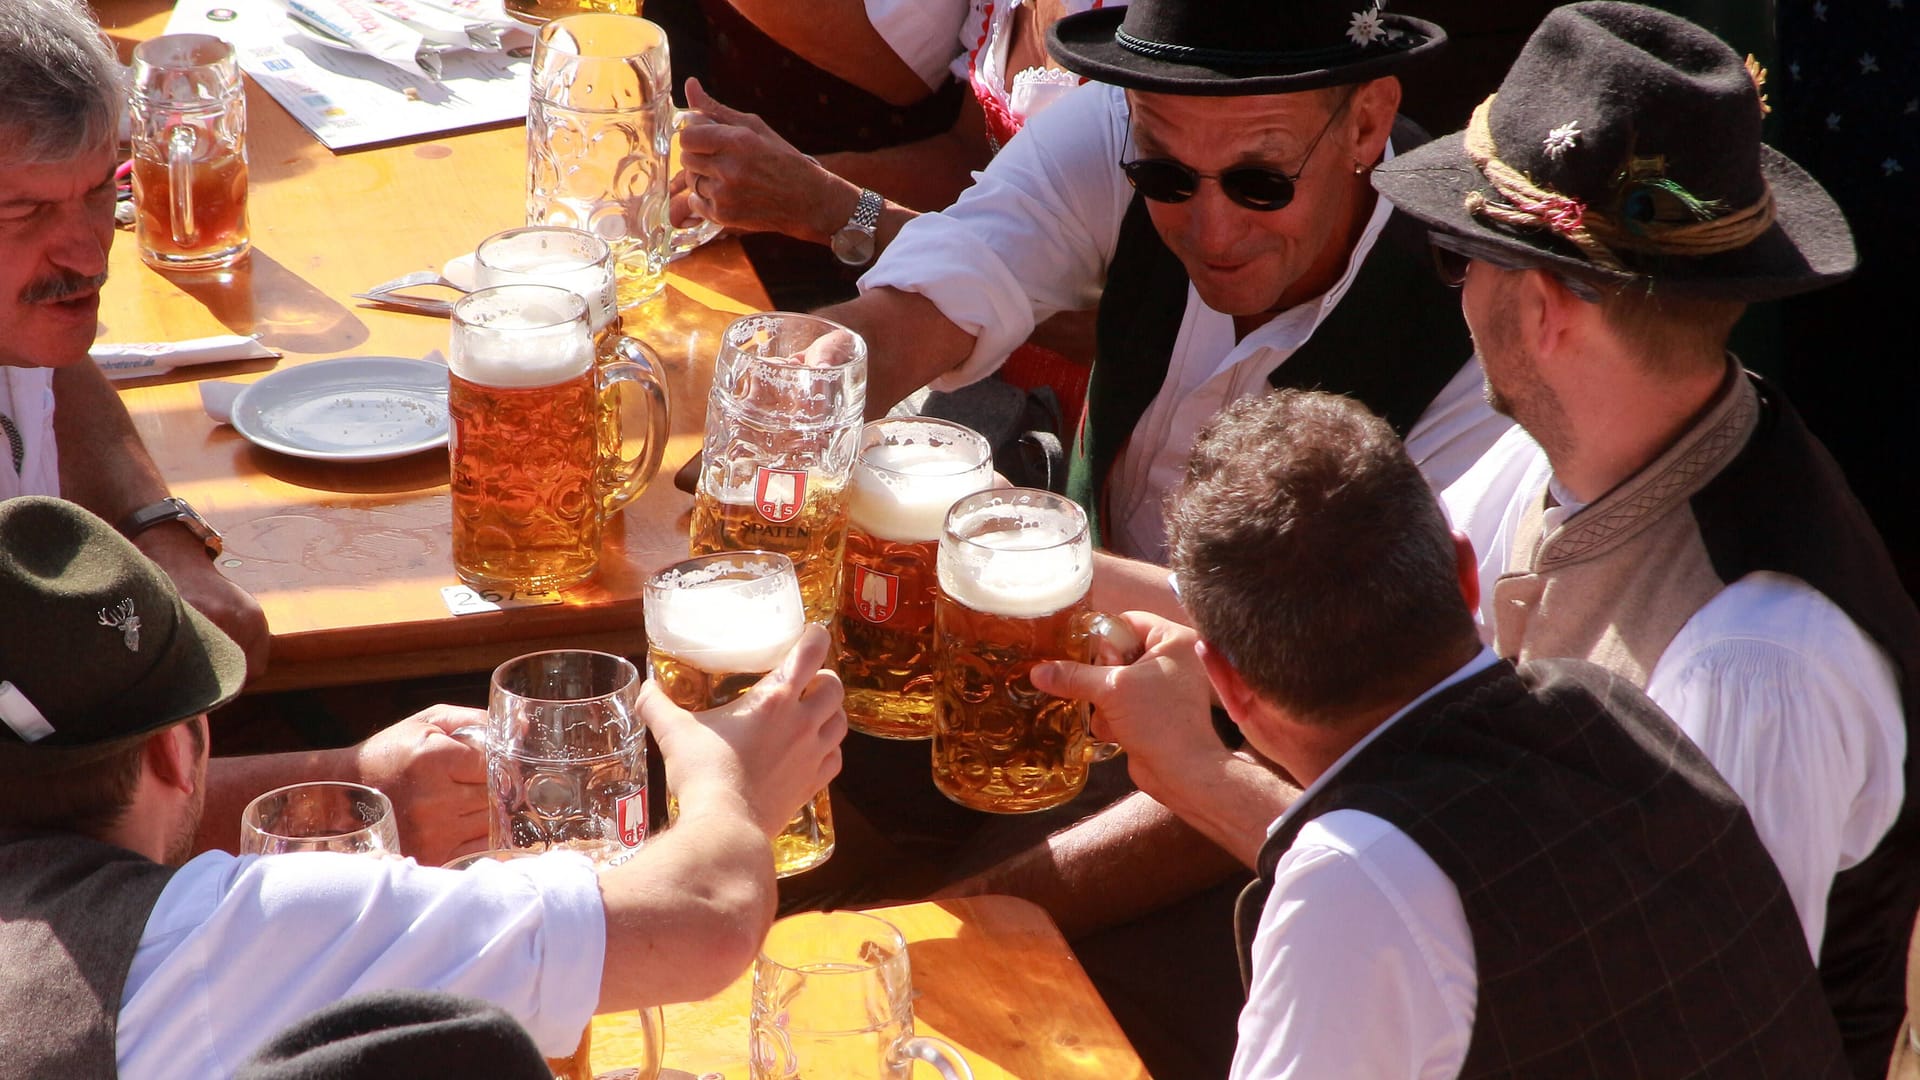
(925, 175)
(1122, 584)
(909, 343)
(233, 782)
(1234, 806)
(837, 37)
(103, 464)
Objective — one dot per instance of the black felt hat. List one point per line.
(400, 1033)
(1624, 146)
(96, 647)
(1220, 48)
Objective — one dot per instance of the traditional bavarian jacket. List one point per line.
(71, 914)
(1737, 580)
(1625, 919)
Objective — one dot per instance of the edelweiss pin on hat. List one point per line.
(1220, 48)
(1624, 146)
(96, 647)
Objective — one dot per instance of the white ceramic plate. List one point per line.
(356, 408)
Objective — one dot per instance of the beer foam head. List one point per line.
(563, 258)
(722, 624)
(1020, 572)
(902, 491)
(519, 336)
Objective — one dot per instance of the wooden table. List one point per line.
(348, 560)
(991, 975)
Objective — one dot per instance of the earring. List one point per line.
(1359, 169)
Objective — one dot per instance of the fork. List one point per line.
(393, 293)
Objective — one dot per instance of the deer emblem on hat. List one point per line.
(123, 619)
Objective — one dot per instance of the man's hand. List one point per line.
(1156, 708)
(438, 783)
(772, 749)
(738, 172)
(234, 610)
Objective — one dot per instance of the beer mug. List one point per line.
(524, 404)
(716, 625)
(833, 997)
(321, 816)
(189, 124)
(783, 423)
(566, 755)
(600, 124)
(582, 264)
(1014, 568)
(539, 11)
(909, 472)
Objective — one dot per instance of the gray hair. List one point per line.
(59, 79)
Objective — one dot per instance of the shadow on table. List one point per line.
(423, 471)
(259, 296)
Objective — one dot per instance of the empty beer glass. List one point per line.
(566, 754)
(909, 472)
(1015, 565)
(188, 115)
(600, 124)
(833, 997)
(582, 264)
(715, 625)
(321, 816)
(530, 487)
(783, 425)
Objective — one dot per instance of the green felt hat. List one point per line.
(96, 647)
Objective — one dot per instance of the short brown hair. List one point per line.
(1670, 334)
(1313, 556)
(88, 798)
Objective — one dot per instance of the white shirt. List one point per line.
(26, 399)
(1363, 964)
(1033, 236)
(239, 948)
(922, 33)
(1795, 706)
(986, 38)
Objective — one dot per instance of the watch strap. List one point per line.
(172, 508)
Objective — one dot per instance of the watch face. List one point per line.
(853, 246)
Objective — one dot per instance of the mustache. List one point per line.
(61, 287)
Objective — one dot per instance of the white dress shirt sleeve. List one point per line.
(922, 33)
(1031, 237)
(1485, 504)
(237, 949)
(1800, 711)
(1363, 965)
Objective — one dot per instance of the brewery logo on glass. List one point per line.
(876, 594)
(779, 493)
(630, 811)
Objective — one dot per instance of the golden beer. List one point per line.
(799, 514)
(219, 209)
(542, 10)
(715, 627)
(909, 473)
(1015, 566)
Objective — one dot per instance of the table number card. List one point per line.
(467, 600)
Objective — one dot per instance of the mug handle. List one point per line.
(1102, 628)
(688, 237)
(474, 735)
(941, 1055)
(180, 140)
(637, 363)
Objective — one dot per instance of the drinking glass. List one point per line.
(1015, 565)
(715, 625)
(566, 756)
(783, 426)
(600, 124)
(321, 816)
(539, 11)
(530, 482)
(188, 114)
(832, 997)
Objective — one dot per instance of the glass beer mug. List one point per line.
(1015, 565)
(188, 115)
(582, 264)
(909, 472)
(600, 123)
(524, 404)
(716, 625)
(783, 424)
(539, 11)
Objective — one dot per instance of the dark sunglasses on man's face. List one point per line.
(1253, 186)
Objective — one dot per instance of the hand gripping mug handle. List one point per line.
(688, 237)
(940, 1054)
(1119, 638)
(637, 363)
(180, 140)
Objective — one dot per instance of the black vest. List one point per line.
(1392, 342)
(1784, 506)
(1626, 920)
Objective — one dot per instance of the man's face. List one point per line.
(56, 224)
(1242, 261)
(1514, 386)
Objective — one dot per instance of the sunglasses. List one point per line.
(1252, 186)
(1453, 253)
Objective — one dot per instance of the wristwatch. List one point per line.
(854, 243)
(173, 509)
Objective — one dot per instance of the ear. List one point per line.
(173, 755)
(1370, 118)
(1467, 567)
(1562, 316)
(1235, 695)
